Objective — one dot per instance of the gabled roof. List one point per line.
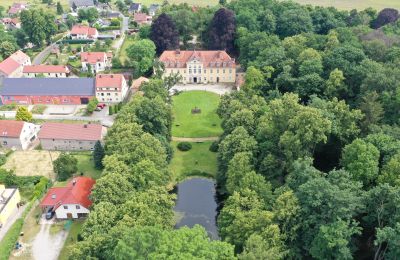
(83, 29)
(45, 69)
(20, 57)
(83, 132)
(11, 128)
(178, 58)
(135, 7)
(80, 3)
(93, 57)
(48, 87)
(154, 7)
(8, 66)
(76, 192)
(141, 17)
(138, 82)
(109, 80)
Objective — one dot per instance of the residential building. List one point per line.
(17, 134)
(72, 201)
(70, 137)
(142, 18)
(200, 66)
(12, 66)
(9, 202)
(49, 91)
(48, 71)
(98, 61)
(83, 32)
(111, 88)
(75, 5)
(11, 23)
(135, 8)
(153, 9)
(17, 8)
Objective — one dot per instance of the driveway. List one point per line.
(14, 216)
(219, 89)
(47, 246)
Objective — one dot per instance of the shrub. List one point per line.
(3, 159)
(184, 146)
(91, 106)
(65, 166)
(214, 147)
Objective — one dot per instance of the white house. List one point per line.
(111, 88)
(12, 66)
(72, 201)
(83, 32)
(98, 61)
(48, 71)
(17, 134)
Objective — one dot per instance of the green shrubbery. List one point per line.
(91, 106)
(65, 166)
(214, 147)
(184, 146)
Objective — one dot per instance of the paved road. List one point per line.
(125, 26)
(15, 215)
(39, 59)
(195, 140)
(219, 89)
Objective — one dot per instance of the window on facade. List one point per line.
(108, 94)
(102, 94)
(65, 207)
(4, 142)
(217, 70)
(77, 207)
(190, 70)
(116, 94)
(223, 71)
(199, 71)
(211, 70)
(230, 70)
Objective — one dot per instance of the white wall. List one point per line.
(61, 212)
(28, 133)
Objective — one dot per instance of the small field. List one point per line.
(203, 124)
(199, 158)
(30, 163)
(353, 4)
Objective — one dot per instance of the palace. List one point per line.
(200, 66)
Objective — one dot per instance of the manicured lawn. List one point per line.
(72, 238)
(204, 124)
(198, 158)
(353, 4)
(86, 165)
(122, 52)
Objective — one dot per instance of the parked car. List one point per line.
(101, 106)
(50, 213)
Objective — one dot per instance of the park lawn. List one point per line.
(123, 56)
(204, 124)
(199, 158)
(71, 240)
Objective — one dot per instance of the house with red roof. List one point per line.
(11, 23)
(16, 8)
(83, 32)
(200, 66)
(142, 18)
(12, 66)
(137, 83)
(111, 88)
(48, 71)
(70, 137)
(17, 134)
(97, 61)
(72, 201)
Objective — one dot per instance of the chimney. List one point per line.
(177, 52)
(74, 182)
(85, 126)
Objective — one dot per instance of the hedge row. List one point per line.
(77, 41)
(109, 28)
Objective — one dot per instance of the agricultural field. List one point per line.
(31, 163)
(353, 4)
(38, 3)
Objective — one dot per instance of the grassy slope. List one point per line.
(198, 158)
(205, 124)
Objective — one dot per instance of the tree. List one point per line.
(64, 166)
(335, 86)
(23, 114)
(293, 22)
(141, 54)
(91, 106)
(90, 14)
(164, 34)
(60, 9)
(372, 109)
(222, 30)
(98, 155)
(6, 49)
(386, 16)
(391, 171)
(38, 25)
(113, 188)
(361, 160)
(388, 240)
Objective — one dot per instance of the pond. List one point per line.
(196, 205)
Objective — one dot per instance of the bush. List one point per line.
(184, 146)
(10, 238)
(3, 159)
(214, 147)
(65, 166)
(91, 106)
(77, 41)
(110, 110)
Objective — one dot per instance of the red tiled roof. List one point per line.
(138, 82)
(83, 29)
(84, 132)
(213, 59)
(141, 17)
(76, 192)
(20, 57)
(109, 80)
(9, 65)
(93, 57)
(11, 128)
(45, 69)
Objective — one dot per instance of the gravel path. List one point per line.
(46, 246)
(196, 139)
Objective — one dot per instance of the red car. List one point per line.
(101, 106)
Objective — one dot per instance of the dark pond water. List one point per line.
(196, 205)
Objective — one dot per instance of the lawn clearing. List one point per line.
(71, 240)
(199, 158)
(86, 164)
(353, 4)
(30, 163)
(204, 124)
